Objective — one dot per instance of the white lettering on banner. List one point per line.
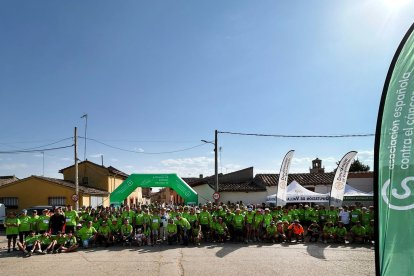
(395, 194)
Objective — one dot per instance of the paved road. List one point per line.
(211, 259)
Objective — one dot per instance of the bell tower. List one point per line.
(317, 166)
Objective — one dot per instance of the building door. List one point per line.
(96, 201)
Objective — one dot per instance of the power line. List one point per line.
(42, 146)
(142, 152)
(297, 136)
(38, 150)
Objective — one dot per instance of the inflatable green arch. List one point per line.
(173, 181)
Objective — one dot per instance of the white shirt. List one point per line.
(344, 216)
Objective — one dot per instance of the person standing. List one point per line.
(24, 227)
(72, 219)
(57, 221)
(12, 230)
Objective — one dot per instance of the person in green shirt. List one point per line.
(271, 232)
(238, 225)
(328, 232)
(87, 234)
(358, 233)
(127, 232)
(30, 244)
(34, 220)
(249, 218)
(205, 219)
(341, 233)
(12, 224)
(70, 245)
(365, 217)
(104, 234)
(43, 222)
(370, 231)
(221, 230)
(155, 227)
(25, 225)
(257, 225)
(72, 219)
(171, 231)
(46, 243)
(185, 227)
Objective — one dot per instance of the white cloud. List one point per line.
(138, 149)
(66, 159)
(98, 155)
(114, 160)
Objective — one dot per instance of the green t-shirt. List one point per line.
(249, 217)
(238, 221)
(355, 215)
(33, 221)
(25, 223)
(192, 218)
(271, 229)
(30, 240)
(220, 228)
(71, 217)
(258, 218)
(139, 219)
(104, 230)
(365, 218)
(61, 240)
(341, 231)
(86, 233)
(358, 230)
(155, 222)
(267, 218)
(330, 230)
(12, 226)
(171, 228)
(43, 223)
(126, 229)
(45, 240)
(183, 223)
(128, 215)
(204, 217)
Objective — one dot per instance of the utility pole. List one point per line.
(43, 171)
(76, 170)
(216, 162)
(86, 127)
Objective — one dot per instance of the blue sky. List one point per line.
(158, 76)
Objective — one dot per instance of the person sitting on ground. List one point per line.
(30, 244)
(296, 230)
(140, 237)
(341, 233)
(71, 244)
(313, 231)
(60, 240)
(171, 231)
(46, 243)
(328, 232)
(271, 232)
(358, 233)
(280, 232)
(87, 234)
(126, 232)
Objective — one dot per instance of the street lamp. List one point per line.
(215, 161)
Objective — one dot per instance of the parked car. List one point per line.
(2, 214)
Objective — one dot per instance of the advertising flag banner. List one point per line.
(283, 179)
(339, 182)
(394, 166)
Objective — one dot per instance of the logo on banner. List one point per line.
(339, 185)
(282, 185)
(396, 195)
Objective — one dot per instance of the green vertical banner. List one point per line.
(394, 166)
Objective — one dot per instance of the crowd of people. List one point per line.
(64, 229)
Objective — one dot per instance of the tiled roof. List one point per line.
(238, 181)
(83, 189)
(307, 178)
(6, 179)
(110, 169)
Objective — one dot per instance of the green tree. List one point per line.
(358, 166)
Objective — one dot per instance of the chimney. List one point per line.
(201, 176)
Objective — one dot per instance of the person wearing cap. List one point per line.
(328, 232)
(249, 218)
(257, 225)
(365, 217)
(267, 218)
(11, 223)
(313, 231)
(271, 231)
(115, 227)
(25, 225)
(155, 227)
(355, 214)
(185, 227)
(72, 219)
(163, 225)
(280, 232)
(332, 214)
(34, 220)
(358, 233)
(296, 230)
(43, 222)
(238, 225)
(104, 234)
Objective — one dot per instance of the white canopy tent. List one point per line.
(298, 193)
(352, 194)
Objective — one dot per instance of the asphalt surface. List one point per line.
(207, 259)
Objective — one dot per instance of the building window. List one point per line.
(57, 201)
(10, 202)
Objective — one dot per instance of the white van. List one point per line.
(2, 214)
